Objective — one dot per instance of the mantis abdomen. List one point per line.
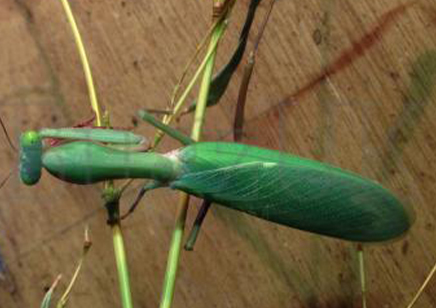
(292, 191)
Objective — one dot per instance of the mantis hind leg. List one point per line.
(192, 238)
(149, 186)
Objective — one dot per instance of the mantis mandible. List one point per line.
(281, 188)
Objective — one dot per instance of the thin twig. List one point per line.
(85, 248)
(3, 182)
(423, 286)
(238, 123)
(47, 298)
(178, 107)
(200, 46)
(222, 79)
(8, 138)
(223, 13)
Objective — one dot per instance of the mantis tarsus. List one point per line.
(278, 187)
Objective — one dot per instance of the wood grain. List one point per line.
(347, 82)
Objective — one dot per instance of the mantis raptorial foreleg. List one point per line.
(32, 145)
(119, 139)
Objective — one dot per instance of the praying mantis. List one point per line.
(265, 166)
(277, 187)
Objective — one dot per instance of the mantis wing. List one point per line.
(334, 203)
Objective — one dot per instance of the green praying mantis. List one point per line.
(281, 188)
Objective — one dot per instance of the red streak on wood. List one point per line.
(357, 49)
(431, 12)
(86, 123)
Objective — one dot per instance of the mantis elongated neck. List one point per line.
(86, 163)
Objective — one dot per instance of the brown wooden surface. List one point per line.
(346, 82)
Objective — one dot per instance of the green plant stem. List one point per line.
(177, 236)
(118, 241)
(84, 59)
(121, 260)
(174, 253)
(178, 106)
(362, 274)
(205, 86)
(191, 62)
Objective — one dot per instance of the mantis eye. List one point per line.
(30, 157)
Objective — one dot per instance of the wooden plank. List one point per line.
(350, 83)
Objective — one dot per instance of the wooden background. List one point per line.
(346, 82)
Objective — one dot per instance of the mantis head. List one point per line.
(30, 157)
